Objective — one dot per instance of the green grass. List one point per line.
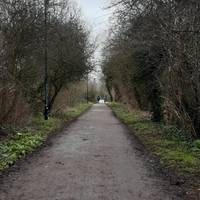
(24, 141)
(76, 111)
(175, 148)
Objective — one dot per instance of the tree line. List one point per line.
(151, 60)
(22, 52)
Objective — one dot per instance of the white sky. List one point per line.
(97, 17)
(95, 14)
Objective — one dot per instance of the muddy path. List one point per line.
(92, 159)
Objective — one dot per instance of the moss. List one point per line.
(175, 148)
(29, 138)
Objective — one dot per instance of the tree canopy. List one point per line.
(22, 35)
(151, 59)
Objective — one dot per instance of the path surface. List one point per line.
(93, 159)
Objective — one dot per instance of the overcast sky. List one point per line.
(97, 18)
(96, 15)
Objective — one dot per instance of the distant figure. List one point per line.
(98, 99)
(101, 101)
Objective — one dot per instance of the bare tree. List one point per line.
(154, 46)
(22, 54)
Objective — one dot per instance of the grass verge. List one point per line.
(24, 141)
(174, 148)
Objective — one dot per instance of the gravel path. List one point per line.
(92, 159)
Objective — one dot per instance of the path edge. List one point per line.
(46, 143)
(155, 161)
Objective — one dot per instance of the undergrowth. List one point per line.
(25, 140)
(174, 147)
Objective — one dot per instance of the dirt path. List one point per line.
(93, 159)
